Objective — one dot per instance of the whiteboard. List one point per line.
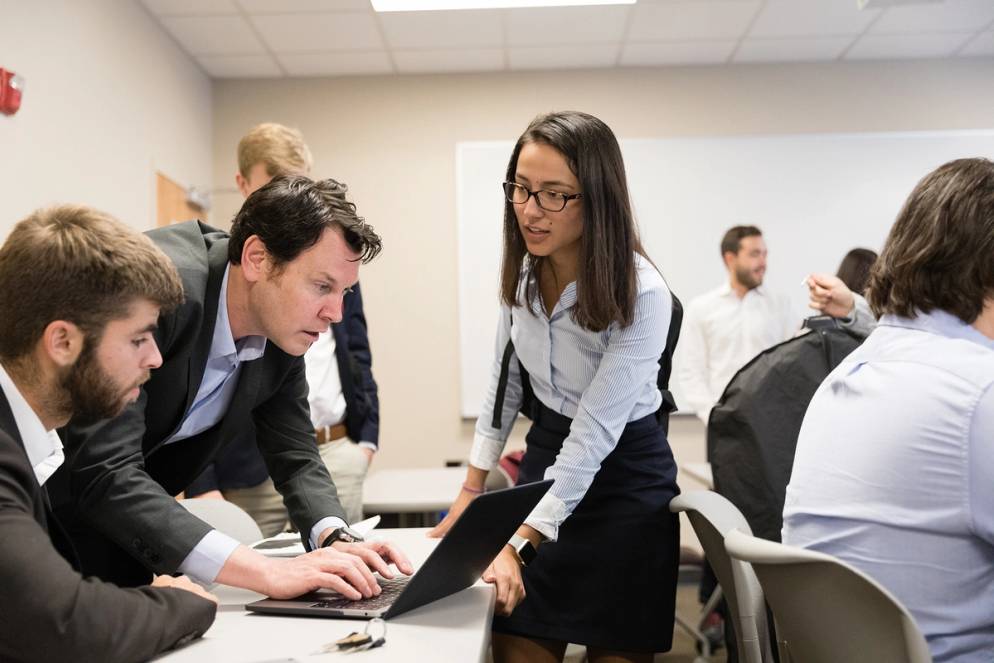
(815, 196)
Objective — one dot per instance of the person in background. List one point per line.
(894, 468)
(854, 270)
(253, 302)
(587, 314)
(841, 296)
(728, 326)
(342, 393)
(80, 294)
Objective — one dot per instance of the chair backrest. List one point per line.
(713, 517)
(827, 611)
(225, 517)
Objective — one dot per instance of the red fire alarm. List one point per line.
(11, 89)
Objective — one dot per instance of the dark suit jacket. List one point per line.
(48, 611)
(114, 493)
(241, 465)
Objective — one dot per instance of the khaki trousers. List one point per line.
(347, 464)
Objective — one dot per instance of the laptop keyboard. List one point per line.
(391, 590)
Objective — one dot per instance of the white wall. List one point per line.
(109, 99)
(392, 139)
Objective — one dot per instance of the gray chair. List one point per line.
(225, 517)
(713, 518)
(827, 611)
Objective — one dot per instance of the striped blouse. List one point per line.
(601, 380)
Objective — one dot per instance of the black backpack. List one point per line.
(752, 431)
(529, 403)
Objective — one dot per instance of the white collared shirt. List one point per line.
(44, 448)
(721, 333)
(324, 384)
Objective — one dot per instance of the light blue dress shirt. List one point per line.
(601, 380)
(217, 388)
(894, 474)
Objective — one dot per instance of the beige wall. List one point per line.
(109, 100)
(393, 141)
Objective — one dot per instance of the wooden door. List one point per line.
(171, 203)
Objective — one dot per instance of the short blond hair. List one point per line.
(280, 148)
(77, 264)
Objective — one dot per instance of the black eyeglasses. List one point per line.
(550, 201)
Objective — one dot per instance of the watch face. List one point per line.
(349, 535)
(526, 551)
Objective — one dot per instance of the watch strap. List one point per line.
(523, 548)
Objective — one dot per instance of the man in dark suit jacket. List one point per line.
(343, 394)
(294, 250)
(79, 297)
(239, 473)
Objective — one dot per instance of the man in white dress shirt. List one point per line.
(726, 327)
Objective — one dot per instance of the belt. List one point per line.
(327, 434)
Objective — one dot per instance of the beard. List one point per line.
(747, 278)
(88, 393)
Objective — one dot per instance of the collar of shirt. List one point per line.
(223, 344)
(941, 323)
(44, 448)
(567, 299)
(725, 290)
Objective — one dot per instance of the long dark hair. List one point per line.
(606, 280)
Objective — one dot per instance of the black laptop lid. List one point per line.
(471, 544)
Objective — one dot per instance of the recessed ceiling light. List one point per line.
(436, 5)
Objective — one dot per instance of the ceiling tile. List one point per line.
(983, 44)
(805, 18)
(214, 35)
(291, 6)
(677, 52)
(951, 16)
(566, 25)
(442, 29)
(797, 49)
(297, 33)
(336, 64)
(682, 21)
(563, 57)
(422, 62)
(240, 66)
(190, 7)
(935, 45)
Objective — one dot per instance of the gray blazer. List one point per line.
(115, 492)
(48, 611)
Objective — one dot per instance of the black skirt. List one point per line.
(609, 581)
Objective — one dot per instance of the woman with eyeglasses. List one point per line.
(583, 322)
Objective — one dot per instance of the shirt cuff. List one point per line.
(207, 557)
(369, 445)
(323, 524)
(547, 516)
(485, 453)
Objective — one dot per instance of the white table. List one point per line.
(699, 472)
(415, 490)
(456, 628)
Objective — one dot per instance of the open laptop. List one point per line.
(457, 562)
